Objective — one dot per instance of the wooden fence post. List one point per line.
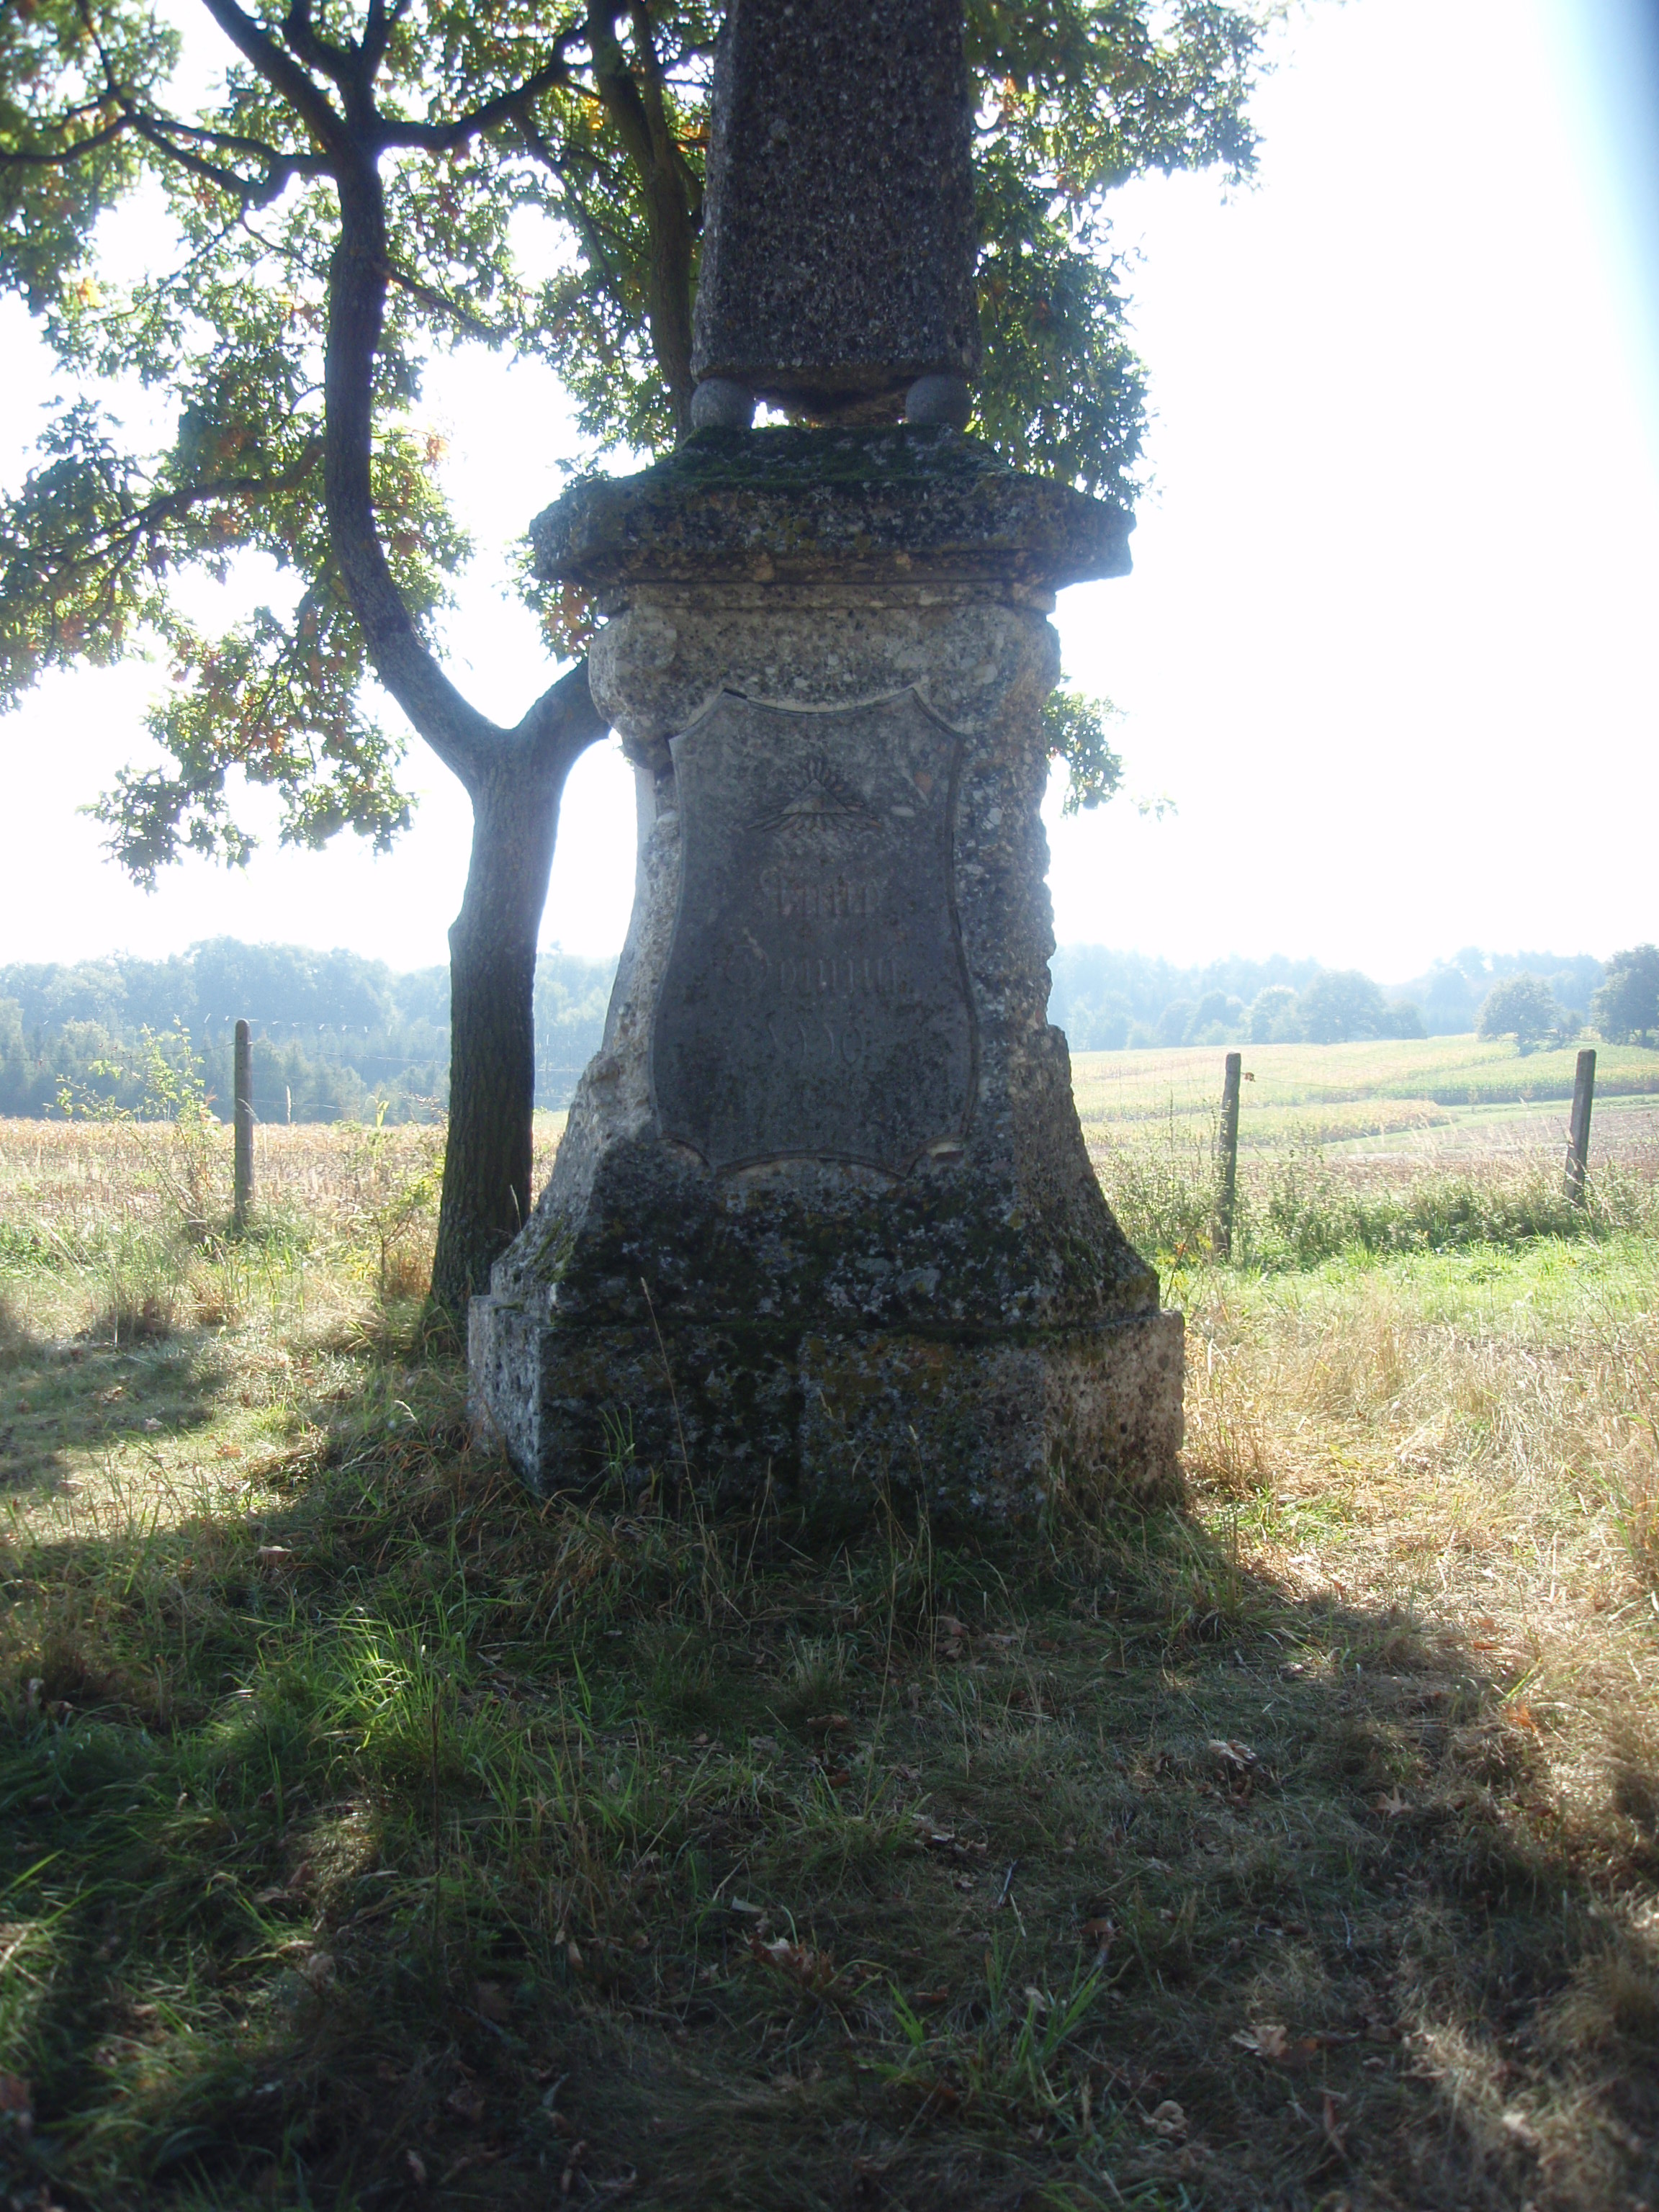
(1584, 1096)
(1227, 1176)
(243, 1086)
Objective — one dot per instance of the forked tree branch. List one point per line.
(284, 76)
(467, 742)
(445, 137)
(564, 720)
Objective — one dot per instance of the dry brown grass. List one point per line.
(479, 1829)
(1479, 1461)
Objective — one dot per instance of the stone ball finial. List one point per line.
(940, 399)
(718, 404)
(838, 239)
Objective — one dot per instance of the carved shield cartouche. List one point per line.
(815, 1003)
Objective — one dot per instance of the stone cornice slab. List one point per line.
(885, 504)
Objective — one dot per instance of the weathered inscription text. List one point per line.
(816, 999)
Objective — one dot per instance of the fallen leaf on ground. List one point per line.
(1236, 1754)
(1267, 2039)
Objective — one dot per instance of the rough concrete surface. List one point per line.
(963, 1316)
(918, 501)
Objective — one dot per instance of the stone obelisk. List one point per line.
(822, 1217)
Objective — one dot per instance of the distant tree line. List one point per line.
(335, 1035)
(1107, 1001)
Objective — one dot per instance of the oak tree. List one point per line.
(1523, 1007)
(352, 194)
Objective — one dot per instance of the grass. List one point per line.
(375, 1837)
(1347, 1149)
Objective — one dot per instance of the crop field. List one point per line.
(374, 1835)
(1432, 1094)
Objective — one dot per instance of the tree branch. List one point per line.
(562, 724)
(280, 169)
(376, 31)
(445, 137)
(119, 543)
(284, 76)
(641, 124)
(442, 303)
(317, 52)
(234, 143)
(462, 738)
(599, 252)
(73, 152)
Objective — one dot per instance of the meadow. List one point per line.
(375, 1836)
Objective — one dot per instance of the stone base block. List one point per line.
(979, 1428)
(982, 1428)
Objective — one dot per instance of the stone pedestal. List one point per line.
(823, 1215)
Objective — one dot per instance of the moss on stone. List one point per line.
(823, 505)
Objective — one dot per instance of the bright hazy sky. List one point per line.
(1390, 642)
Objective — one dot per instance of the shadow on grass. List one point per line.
(423, 1845)
(65, 1396)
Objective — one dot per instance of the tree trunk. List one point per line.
(487, 1194)
(515, 778)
